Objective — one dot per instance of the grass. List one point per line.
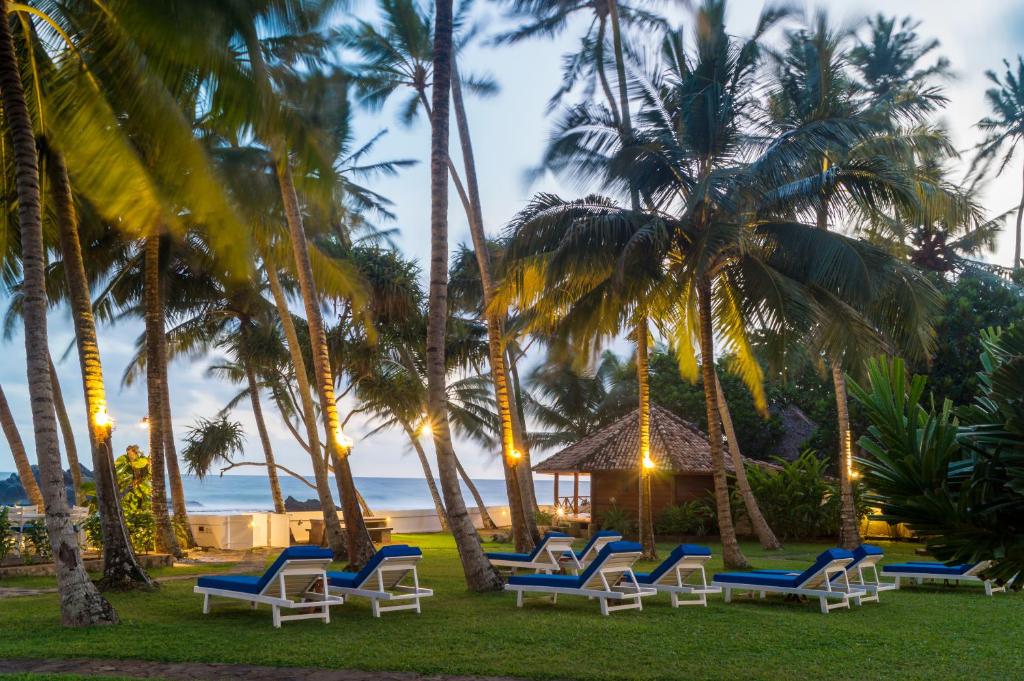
(914, 633)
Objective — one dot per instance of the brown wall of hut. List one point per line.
(622, 489)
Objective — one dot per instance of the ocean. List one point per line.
(243, 493)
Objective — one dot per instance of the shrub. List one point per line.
(691, 517)
(38, 540)
(141, 529)
(6, 534)
(619, 520)
(543, 517)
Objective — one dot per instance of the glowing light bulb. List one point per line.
(102, 418)
(426, 429)
(343, 440)
(515, 454)
(561, 511)
(648, 462)
(144, 423)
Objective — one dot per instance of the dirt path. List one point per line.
(191, 671)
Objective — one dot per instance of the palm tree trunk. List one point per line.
(261, 426)
(360, 546)
(427, 474)
(645, 465)
(180, 518)
(485, 517)
(332, 526)
(1017, 245)
(602, 30)
(81, 604)
(66, 432)
(518, 476)
(732, 555)
(166, 542)
(761, 528)
(121, 569)
(14, 441)
(849, 533)
(480, 576)
(620, 69)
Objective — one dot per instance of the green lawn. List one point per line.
(914, 633)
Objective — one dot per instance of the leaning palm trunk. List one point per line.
(519, 480)
(480, 576)
(485, 518)
(645, 465)
(732, 555)
(121, 569)
(21, 462)
(67, 433)
(182, 527)
(360, 547)
(268, 451)
(1017, 238)
(427, 474)
(849, 533)
(166, 542)
(81, 604)
(332, 526)
(761, 528)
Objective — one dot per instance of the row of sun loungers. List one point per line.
(299, 582)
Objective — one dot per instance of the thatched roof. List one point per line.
(797, 429)
(677, 446)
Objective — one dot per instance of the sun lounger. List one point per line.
(814, 582)
(861, 574)
(921, 571)
(381, 580)
(288, 583)
(545, 557)
(685, 561)
(585, 556)
(608, 578)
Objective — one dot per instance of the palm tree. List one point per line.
(1004, 129)
(17, 446)
(399, 56)
(480, 576)
(81, 602)
(67, 434)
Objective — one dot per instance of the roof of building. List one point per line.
(677, 446)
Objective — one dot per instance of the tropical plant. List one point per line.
(211, 441)
(37, 540)
(694, 517)
(619, 520)
(7, 541)
(1004, 133)
(480, 576)
(958, 487)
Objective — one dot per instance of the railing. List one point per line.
(573, 505)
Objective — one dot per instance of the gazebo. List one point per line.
(611, 457)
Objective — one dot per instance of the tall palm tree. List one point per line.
(81, 602)
(17, 446)
(67, 434)
(480, 576)
(398, 56)
(1004, 133)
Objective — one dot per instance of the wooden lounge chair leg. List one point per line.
(519, 599)
(897, 583)
(253, 604)
(604, 605)
(277, 616)
(327, 614)
(375, 605)
(988, 588)
(727, 595)
(206, 604)
(824, 605)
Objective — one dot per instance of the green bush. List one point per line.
(798, 500)
(694, 517)
(6, 534)
(141, 526)
(543, 517)
(618, 520)
(38, 540)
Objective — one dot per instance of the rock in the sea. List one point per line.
(293, 504)
(12, 492)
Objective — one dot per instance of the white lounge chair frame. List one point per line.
(613, 581)
(575, 564)
(389, 574)
(969, 576)
(819, 585)
(869, 585)
(674, 582)
(290, 589)
(545, 562)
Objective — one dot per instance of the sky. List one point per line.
(509, 132)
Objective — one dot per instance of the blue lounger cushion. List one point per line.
(593, 540)
(352, 580)
(859, 554)
(785, 580)
(678, 553)
(577, 581)
(526, 557)
(254, 585)
(938, 569)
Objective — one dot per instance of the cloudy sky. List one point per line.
(509, 132)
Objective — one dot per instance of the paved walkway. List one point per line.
(189, 671)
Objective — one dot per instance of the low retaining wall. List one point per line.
(147, 560)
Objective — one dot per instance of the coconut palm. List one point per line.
(81, 602)
(480, 576)
(1004, 132)
(398, 56)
